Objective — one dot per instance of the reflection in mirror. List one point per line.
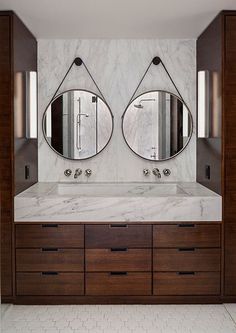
(78, 124)
(157, 125)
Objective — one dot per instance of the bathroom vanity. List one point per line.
(117, 243)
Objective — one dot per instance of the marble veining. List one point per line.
(115, 202)
(117, 66)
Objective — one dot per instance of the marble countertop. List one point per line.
(117, 202)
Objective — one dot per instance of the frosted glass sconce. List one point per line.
(31, 105)
(204, 106)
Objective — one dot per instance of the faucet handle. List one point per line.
(166, 172)
(67, 172)
(88, 172)
(146, 172)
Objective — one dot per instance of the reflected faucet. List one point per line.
(140, 105)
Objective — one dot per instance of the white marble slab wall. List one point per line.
(117, 66)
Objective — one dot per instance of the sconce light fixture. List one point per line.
(204, 107)
(31, 105)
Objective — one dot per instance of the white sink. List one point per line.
(118, 189)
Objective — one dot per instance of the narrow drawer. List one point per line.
(50, 259)
(118, 235)
(186, 259)
(47, 284)
(118, 284)
(186, 235)
(183, 283)
(118, 259)
(49, 235)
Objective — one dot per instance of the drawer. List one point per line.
(49, 235)
(118, 259)
(200, 283)
(118, 284)
(50, 259)
(118, 235)
(45, 284)
(189, 235)
(186, 259)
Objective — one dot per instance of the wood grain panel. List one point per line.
(49, 259)
(200, 260)
(49, 235)
(118, 260)
(114, 235)
(183, 235)
(38, 284)
(200, 283)
(129, 284)
(6, 148)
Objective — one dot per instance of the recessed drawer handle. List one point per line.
(49, 249)
(183, 225)
(118, 273)
(187, 249)
(50, 273)
(186, 273)
(49, 225)
(118, 226)
(119, 249)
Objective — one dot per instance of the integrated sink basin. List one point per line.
(118, 189)
(117, 202)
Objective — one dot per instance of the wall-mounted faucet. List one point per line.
(146, 172)
(156, 172)
(78, 172)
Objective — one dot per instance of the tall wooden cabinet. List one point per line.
(216, 52)
(18, 154)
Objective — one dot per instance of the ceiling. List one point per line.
(117, 18)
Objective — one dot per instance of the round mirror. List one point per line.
(157, 125)
(78, 124)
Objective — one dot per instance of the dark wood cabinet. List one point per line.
(18, 55)
(216, 53)
(115, 263)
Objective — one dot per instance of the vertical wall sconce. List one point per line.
(31, 105)
(204, 107)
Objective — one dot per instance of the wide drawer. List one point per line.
(49, 235)
(186, 259)
(117, 235)
(113, 284)
(189, 235)
(179, 283)
(118, 259)
(42, 284)
(50, 259)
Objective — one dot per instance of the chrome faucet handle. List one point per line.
(67, 172)
(146, 172)
(88, 172)
(166, 172)
(156, 172)
(78, 172)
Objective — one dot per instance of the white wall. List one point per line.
(117, 66)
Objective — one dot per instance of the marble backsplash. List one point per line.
(117, 66)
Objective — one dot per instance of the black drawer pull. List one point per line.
(49, 225)
(118, 226)
(187, 249)
(49, 273)
(119, 249)
(186, 273)
(118, 273)
(184, 225)
(49, 249)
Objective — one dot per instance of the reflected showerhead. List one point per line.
(138, 106)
